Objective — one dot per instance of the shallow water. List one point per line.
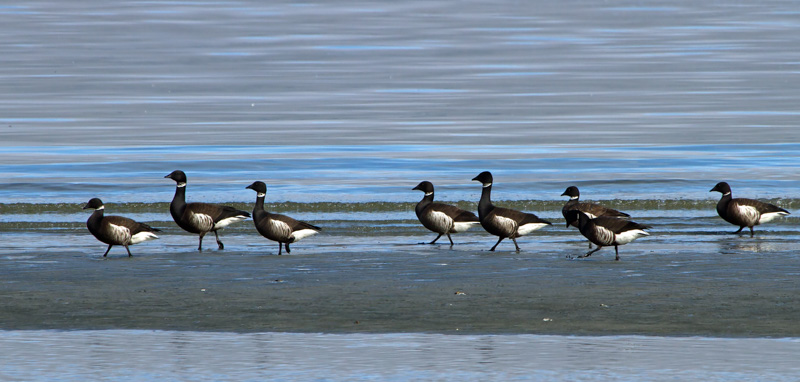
(341, 108)
(149, 355)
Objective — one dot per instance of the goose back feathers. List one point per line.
(592, 210)
(606, 231)
(744, 212)
(116, 230)
(200, 218)
(277, 227)
(504, 222)
(441, 218)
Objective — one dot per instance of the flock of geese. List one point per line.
(602, 226)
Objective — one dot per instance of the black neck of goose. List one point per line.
(259, 203)
(97, 215)
(722, 205)
(94, 220)
(485, 205)
(426, 200)
(178, 203)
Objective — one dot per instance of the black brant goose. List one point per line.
(200, 218)
(744, 212)
(593, 210)
(441, 218)
(504, 222)
(606, 231)
(277, 227)
(116, 230)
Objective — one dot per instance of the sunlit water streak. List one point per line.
(387, 173)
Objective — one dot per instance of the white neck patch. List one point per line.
(574, 197)
(487, 185)
(428, 193)
(261, 194)
(100, 208)
(181, 184)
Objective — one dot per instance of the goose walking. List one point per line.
(200, 218)
(441, 218)
(116, 230)
(277, 227)
(593, 210)
(605, 231)
(504, 222)
(744, 212)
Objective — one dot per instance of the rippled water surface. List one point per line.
(341, 108)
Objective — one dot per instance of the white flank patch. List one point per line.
(748, 213)
(303, 233)
(530, 227)
(771, 216)
(121, 233)
(590, 215)
(228, 221)
(143, 236)
(441, 221)
(629, 236)
(280, 230)
(463, 226)
(202, 221)
(506, 224)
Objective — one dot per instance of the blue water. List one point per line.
(168, 356)
(388, 172)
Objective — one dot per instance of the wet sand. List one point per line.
(723, 286)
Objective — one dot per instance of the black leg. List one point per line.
(751, 231)
(515, 242)
(616, 249)
(740, 229)
(109, 248)
(450, 238)
(218, 241)
(200, 247)
(498, 242)
(590, 244)
(280, 248)
(437, 238)
(590, 252)
(129, 251)
(287, 248)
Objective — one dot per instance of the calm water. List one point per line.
(343, 107)
(147, 355)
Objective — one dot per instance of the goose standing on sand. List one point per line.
(606, 231)
(277, 227)
(744, 212)
(593, 210)
(200, 218)
(504, 222)
(441, 218)
(116, 230)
